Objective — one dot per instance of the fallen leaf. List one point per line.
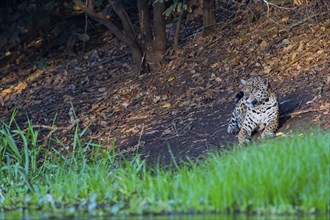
(125, 104)
(288, 48)
(185, 103)
(67, 98)
(167, 105)
(280, 134)
(287, 126)
(325, 106)
(285, 19)
(196, 75)
(171, 78)
(267, 69)
(294, 55)
(102, 89)
(301, 47)
(167, 131)
(285, 42)
(214, 65)
(309, 59)
(235, 61)
(156, 98)
(263, 44)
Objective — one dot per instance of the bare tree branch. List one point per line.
(130, 42)
(125, 20)
(276, 6)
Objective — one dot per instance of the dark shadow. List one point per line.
(291, 102)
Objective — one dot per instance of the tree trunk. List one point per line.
(177, 31)
(124, 18)
(208, 13)
(145, 24)
(159, 43)
(90, 4)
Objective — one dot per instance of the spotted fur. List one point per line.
(256, 108)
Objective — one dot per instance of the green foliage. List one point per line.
(42, 64)
(284, 175)
(98, 3)
(107, 10)
(176, 6)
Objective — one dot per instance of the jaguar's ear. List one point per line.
(265, 81)
(243, 81)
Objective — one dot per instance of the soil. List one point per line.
(183, 109)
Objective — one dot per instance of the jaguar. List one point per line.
(256, 109)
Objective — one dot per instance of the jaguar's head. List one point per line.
(255, 90)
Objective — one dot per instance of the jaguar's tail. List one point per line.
(238, 96)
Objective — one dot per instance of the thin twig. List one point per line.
(51, 128)
(139, 141)
(172, 156)
(142, 61)
(86, 26)
(276, 6)
(55, 128)
(177, 31)
(306, 19)
(176, 131)
(268, 4)
(293, 114)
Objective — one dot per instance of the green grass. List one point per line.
(282, 175)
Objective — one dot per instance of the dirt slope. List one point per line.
(184, 108)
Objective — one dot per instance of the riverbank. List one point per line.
(287, 175)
